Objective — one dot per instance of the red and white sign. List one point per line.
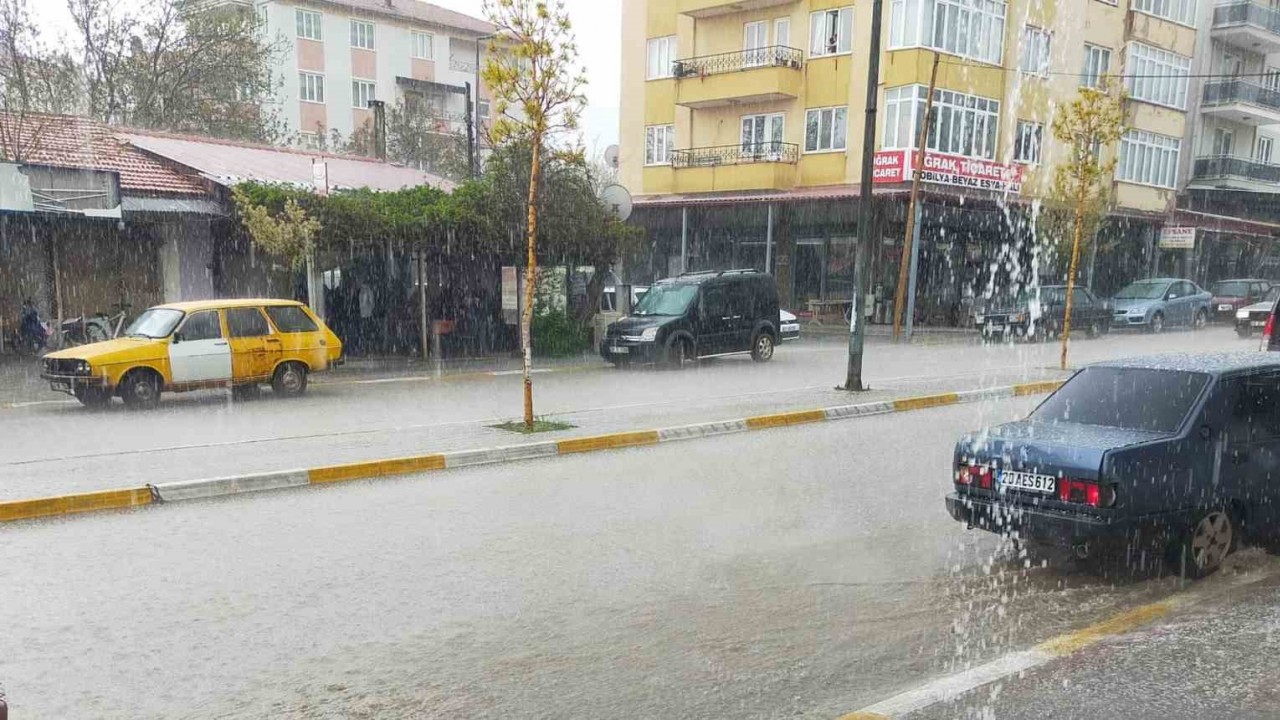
(891, 167)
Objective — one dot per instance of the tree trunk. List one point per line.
(530, 279)
(1071, 272)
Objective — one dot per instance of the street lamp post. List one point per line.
(857, 316)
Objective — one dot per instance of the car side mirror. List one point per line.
(177, 338)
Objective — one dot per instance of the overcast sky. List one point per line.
(596, 23)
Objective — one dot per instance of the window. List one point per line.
(362, 93)
(246, 322)
(962, 124)
(1230, 65)
(1035, 51)
(309, 24)
(201, 326)
(825, 129)
(1179, 11)
(291, 319)
(361, 34)
(972, 29)
(1262, 153)
(782, 32)
(309, 140)
(1271, 78)
(1028, 142)
(755, 38)
(1254, 402)
(1097, 64)
(1148, 159)
(659, 141)
(762, 135)
(483, 109)
(1157, 76)
(424, 46)
(1224, 141)
(661, 57)
(1103, 396)
(311, 87)
(831, 32)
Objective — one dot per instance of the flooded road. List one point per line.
(799, 572)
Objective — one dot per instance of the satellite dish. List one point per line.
(616, 200)
(611, 156)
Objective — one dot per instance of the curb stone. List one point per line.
(181, 491)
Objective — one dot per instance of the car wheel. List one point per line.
(762, 347)
(1156, 325)
(1094, 329)
(1201, 320)
(141, 390)
(93, 397)
(1207, 543)
(290, 380)
(677, 352)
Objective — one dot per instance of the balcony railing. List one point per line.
(771, 56)
(1231, 91)
(1246, 13)
(773, 152)
(1223, 166)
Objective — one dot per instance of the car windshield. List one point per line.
(154, 323)
(1110, 396)
(1231, 288)
(1145, 290)
(666, 300)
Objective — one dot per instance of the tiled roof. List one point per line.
(415, 10)
(74, 142)
(227, 163)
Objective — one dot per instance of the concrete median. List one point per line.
(390, 467)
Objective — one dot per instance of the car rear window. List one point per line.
(290, 319)
(1232, 288)
(1132, 398)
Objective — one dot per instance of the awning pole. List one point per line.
(684, 240)
(768, 242)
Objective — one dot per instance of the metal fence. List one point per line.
(772, 152)
(771, 56)
(1229, 91)
(1227, 166)
(1247, 13)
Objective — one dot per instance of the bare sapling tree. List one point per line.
(536, 81)
(1087, 127)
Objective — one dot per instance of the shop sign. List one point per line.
(1177, 238)
(891, 166)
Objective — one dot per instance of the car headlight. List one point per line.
(83, 368)
(1018, 317)
(978, 319)
(649, 334)
(1242, 314)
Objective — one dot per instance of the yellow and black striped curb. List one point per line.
(218, 487)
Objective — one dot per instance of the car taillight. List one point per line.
(1266, 331)
(1084, 492)
(975, 476)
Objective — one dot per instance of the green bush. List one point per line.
(555, 334)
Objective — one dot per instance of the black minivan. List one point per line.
(698, 314)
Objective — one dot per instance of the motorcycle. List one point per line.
(33, 333)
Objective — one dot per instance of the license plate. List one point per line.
(1257, 323)
(1224, 308)
(619, 350)
(1027, 481)
(64, 385)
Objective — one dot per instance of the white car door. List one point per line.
(198, 351)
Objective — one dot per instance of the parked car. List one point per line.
(1253, 318)
(1159, 303)
(1042, 312)
(1231, 295)
(789, 329)
(698, 315)
(1174, 453)
(193, 345)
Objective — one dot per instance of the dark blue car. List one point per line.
(1173, 457)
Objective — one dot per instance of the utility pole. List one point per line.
(857, 318)
(908, 240)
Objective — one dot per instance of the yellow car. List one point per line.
(193, 345)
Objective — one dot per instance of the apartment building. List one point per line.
(741, 134)
(342, 54)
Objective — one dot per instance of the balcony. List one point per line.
(1236, 173)
(1247, 25)
(752, 166)
(1242, 102)
(712, 8)
(747, 76)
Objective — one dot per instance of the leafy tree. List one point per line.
(288, 234)
(416, 139)
(537, 84)
(34, 80)
(1089, 124)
